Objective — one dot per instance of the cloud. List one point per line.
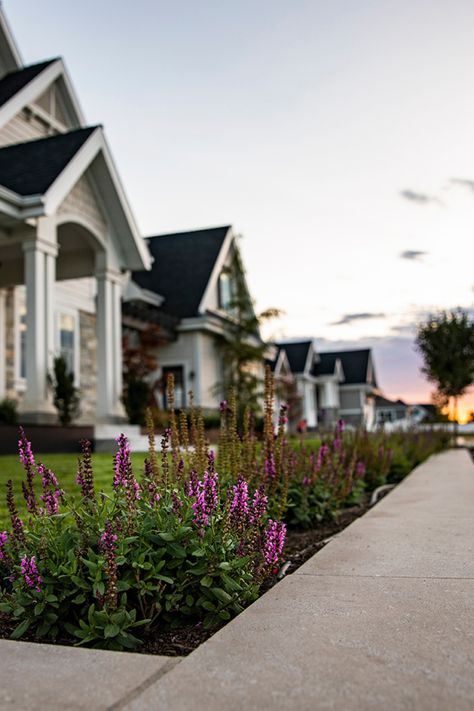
(463, 182)
(413, 255)
(419, 198)
(350, 318)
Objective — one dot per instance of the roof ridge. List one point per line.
(44, 62)
(189, 232)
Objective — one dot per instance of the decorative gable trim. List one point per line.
(218, 266)
(56, 71)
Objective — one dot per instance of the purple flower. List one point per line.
(270, 467)
(322, 453)
(340, 428)
(108, 546)
(191, 487)
(239, 506)
(273, 541)
(3, 541)
(123, 475)
(360, 469)
(306, 481)
(108, 539)
(283, 419)
(28, 462)
(223, 407)
(176, 503)
(206, 499)
(259, 504)
(52, 494)
(29, 571)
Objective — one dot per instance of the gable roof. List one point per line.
(355, 365)
(297, 353)
(381, 401)
(327, 364)
(30, 168)
(182, 267)
(14, 81)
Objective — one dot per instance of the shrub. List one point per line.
(174, 546)
(65, 394)
(8, 412)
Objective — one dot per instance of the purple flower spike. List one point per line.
(270, 468)
(29, 571)
(259, 504)
(273, 542)
(223, 407)
(360, 469)
(3, 542)
(28, 462)
(206, 499)
(239, 506)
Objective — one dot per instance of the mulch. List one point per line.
(299, 547)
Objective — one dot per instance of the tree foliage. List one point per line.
(446, 342)
(66, 397)
(242, 347)
(139, 363)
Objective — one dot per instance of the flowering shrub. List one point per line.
(191, 536)
(175, 545)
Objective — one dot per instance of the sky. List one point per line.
(335, 137)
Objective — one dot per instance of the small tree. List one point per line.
(242, 347)
(65, 394)
(446, 342)
(139, 362)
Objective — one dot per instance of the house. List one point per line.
(329, 375)
(358, 389)
(390, 410)
(194, 280)
(302, 358)
(68, 238)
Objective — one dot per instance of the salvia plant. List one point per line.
(189, 538)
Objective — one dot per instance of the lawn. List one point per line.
(65, 467)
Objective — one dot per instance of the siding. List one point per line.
(350, 400)
(211, 371)
(82, 201)
(23, 128)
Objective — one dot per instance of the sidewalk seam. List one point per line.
(138, 690)
(384, 577)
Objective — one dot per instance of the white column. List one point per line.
(40, 272)
(109, 346)
(3, 336)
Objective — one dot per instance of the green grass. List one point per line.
(65, 467)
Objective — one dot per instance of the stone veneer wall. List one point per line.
(88, 366)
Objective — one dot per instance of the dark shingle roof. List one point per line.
(297, 354)
(381, 401)
(354, 364)
(182, 267)
(15, 81)
(30, 168)
(326, 365)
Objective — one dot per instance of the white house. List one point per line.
(67, 239)
(302, 359)
(192, 280)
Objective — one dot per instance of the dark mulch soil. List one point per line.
(299, 547)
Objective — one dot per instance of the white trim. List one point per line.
(133, 292)
(310, 357)
(19, 301)
(15, 56)
(217, 268)
(3, 343)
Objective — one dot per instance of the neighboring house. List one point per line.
(191, 276)
(302, 360)
(329, 377)
(67, 239)
(390, 410)
(358, 389)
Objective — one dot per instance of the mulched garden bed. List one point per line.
(299, 547)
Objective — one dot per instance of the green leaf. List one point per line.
(222, 595)
(167, 536)
(39, 607)
(165, 579)
(5, 607)
(206, 581)
(111, 630)
(177, 550)
(20, 630)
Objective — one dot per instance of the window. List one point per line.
(67, 346)
(226, 291)
(179, 391)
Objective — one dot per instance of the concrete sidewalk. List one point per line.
(381, 618)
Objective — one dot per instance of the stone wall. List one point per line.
(88, 366)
